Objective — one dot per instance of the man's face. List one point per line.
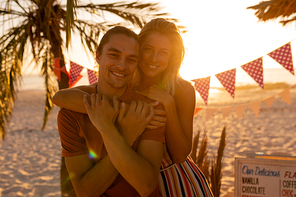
(118, 61)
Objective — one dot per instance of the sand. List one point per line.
(30, 158)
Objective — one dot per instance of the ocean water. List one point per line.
(270, 75)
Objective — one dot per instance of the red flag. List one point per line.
(92, 77)
(283, 56)
(75, 70)
(255, 70)
(227, 79)
(56, 68)
(202, 85)
(197, 109)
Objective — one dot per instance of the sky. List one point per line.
(221, 35)
(224, 34)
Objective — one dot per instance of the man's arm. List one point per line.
(89, 180)
(140, 169)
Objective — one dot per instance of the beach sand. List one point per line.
(30, 158)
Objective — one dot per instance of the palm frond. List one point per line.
(274, 9)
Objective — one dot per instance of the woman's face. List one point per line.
(155, 54)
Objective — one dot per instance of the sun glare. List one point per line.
(226, 38)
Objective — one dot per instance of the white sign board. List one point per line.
(265, 177)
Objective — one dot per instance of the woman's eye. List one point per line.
(132, 60)
(164, 53)
(148, 50)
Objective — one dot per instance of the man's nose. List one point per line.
(121, 64)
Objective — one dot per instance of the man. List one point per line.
(106, 151)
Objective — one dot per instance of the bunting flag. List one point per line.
(285, 95)
(197, 109)
(57, 68)
(92, 77)
(255, 70)
(255, 107)
(283, 56)
(227, 79)
(75, 76)
(202, 85)
(269, 101)
(240, 111)
(226, 111)
(210, 112)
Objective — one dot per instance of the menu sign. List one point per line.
(265, 177)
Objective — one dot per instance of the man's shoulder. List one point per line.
(63, 112)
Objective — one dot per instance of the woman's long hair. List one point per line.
(170, 76)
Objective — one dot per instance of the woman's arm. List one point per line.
(179, 118)
(179, 123)
(72, 98)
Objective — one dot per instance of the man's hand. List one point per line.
(135, 120)
(100, 111)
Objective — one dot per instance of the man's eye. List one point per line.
(114, 55)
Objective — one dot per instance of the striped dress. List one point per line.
(182, 180)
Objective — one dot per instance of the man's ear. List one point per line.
(98, 57)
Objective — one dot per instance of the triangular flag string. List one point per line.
(92, 76)
(269, 101)
(227, 79)
(240, 111)
(202, 85)
(226, 111)
(285, 95)
(254, 106)
(75, 70)
(255, 70)
(283, 56)
(210, 112)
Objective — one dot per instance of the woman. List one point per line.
(157, 77)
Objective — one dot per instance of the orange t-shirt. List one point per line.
(79, 136)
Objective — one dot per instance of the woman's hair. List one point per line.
(170, 76)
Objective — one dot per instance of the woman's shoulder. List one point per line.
(184, 87)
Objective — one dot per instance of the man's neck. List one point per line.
(109, 91)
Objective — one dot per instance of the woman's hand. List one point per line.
(134, 120)
(161, 96)
(158, 120)
(100, 111)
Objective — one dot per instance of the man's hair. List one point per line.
(118, 30)
(170, 75)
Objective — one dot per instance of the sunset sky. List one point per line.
(221, 35)
(224, 34)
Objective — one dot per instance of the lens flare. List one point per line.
(92, 154)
